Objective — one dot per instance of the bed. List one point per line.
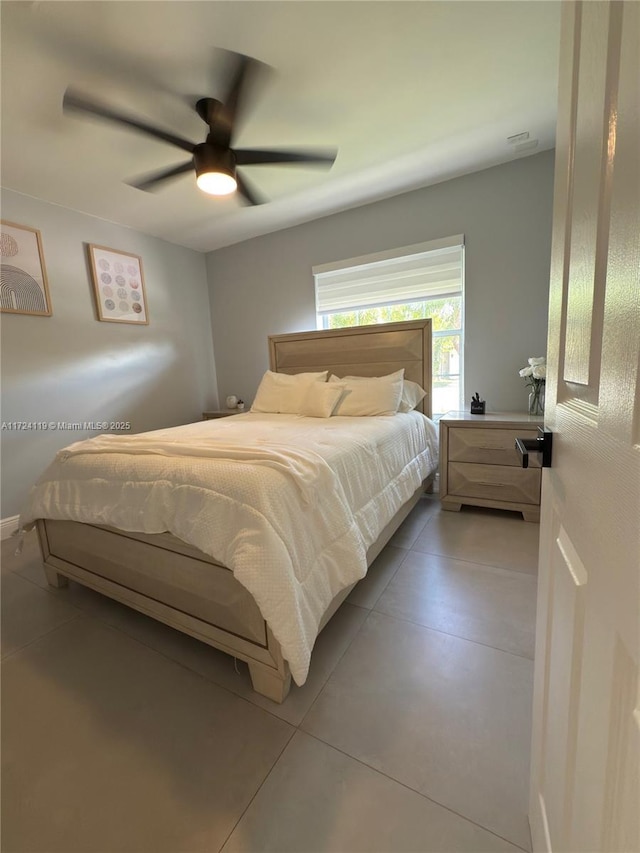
(223, 602)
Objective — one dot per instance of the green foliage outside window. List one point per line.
(446, 314)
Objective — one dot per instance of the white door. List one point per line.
(586, 739)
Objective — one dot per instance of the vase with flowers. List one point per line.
(536, 374)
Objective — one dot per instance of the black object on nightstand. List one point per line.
(477, 405)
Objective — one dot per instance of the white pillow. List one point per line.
(367, 396)
(321, 399)
(282, 393)
(412, 394)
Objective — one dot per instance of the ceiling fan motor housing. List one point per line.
(211, 158)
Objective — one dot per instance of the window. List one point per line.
(425, 280)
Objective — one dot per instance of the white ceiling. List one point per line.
(411, 93)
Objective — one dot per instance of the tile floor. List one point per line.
(411, 733)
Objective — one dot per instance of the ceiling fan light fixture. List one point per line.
(216, 183)
(215, 170)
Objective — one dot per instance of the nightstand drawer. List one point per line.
(489, 446)
(494, 482)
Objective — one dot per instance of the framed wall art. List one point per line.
(118, 284)
(23, 278)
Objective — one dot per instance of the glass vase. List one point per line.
(536, 400)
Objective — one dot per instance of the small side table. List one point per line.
(479, 464)
(221, 413)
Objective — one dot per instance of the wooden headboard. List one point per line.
(359, 351)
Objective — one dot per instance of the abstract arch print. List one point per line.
(23, 280)
(20, 291)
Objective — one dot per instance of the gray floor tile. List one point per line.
(410, 529)
(489, 536)
(481, 603)
(221, 668)
(445, 716)
(318, 800)
(29, 612)
(370, 588)
(134, 746)
(18, 553)
(110, 747)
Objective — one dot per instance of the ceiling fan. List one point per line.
(214, 161)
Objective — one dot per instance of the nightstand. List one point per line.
(479, 464)
(221, 413)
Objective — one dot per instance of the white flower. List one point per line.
(536, 372)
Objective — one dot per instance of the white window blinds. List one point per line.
(411, 274)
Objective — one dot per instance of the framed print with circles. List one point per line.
(118, 284)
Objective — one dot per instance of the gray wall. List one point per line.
(71, 367)
(264, 286)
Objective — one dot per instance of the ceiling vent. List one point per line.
(518, 137)
(521, 143)
(525, 146)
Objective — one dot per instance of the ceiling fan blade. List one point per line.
(74, 101)
(243, 65)
(244, 68)
(257, 157)
(247, 192)
(150, 181)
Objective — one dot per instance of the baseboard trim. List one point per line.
(539, 826)
(8, 526)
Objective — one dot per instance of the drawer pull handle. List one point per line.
(492, 483)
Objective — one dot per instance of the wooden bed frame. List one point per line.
(164, 577)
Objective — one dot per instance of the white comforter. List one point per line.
(289, 504)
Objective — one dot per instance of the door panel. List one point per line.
(586, 733)
(620, 381)
(566, 630)
(623, 748)
(589, 219)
